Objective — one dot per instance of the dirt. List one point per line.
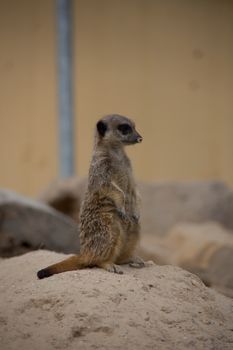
(157, 307)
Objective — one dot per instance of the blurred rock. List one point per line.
(220, 270)
(205, 249)
(152, 247)
(168, 203)
(26, 225)
(65, 195)
(195, 244)
(163, 204)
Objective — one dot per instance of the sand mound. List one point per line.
(158, 307)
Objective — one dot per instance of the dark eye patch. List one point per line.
(125, 129)
(102, 128)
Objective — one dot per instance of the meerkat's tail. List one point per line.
(73, 263)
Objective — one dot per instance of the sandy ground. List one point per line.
(157, 307)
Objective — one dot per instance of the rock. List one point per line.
(163, 204)
(27, 224)
(152, 247)
(196, 243)
(157, 307)
(205, 249)
(220, 270)
(166, 204)
(65, 195)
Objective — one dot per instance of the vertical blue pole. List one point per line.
(66, 122)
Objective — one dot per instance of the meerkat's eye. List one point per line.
(125, 129)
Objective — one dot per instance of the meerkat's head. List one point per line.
(116, 129)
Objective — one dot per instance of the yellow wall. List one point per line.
(28, 107)
(167, 64)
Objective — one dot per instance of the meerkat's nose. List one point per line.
(139, 139)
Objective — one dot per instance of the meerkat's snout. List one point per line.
(139, 138)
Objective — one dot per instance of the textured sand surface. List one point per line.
(157, 307)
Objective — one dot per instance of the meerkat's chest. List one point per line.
(122, 172)
(122, 175)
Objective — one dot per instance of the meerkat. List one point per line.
(109, 216)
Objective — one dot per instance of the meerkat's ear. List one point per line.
(102, 128)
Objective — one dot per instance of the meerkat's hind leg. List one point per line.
(110, 267)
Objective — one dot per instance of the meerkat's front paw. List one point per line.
(122, 215)
(135, 218)
(137, 262)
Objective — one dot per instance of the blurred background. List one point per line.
(166, 64)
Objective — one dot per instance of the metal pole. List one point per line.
(66, 122)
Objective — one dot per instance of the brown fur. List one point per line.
(109, 218)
